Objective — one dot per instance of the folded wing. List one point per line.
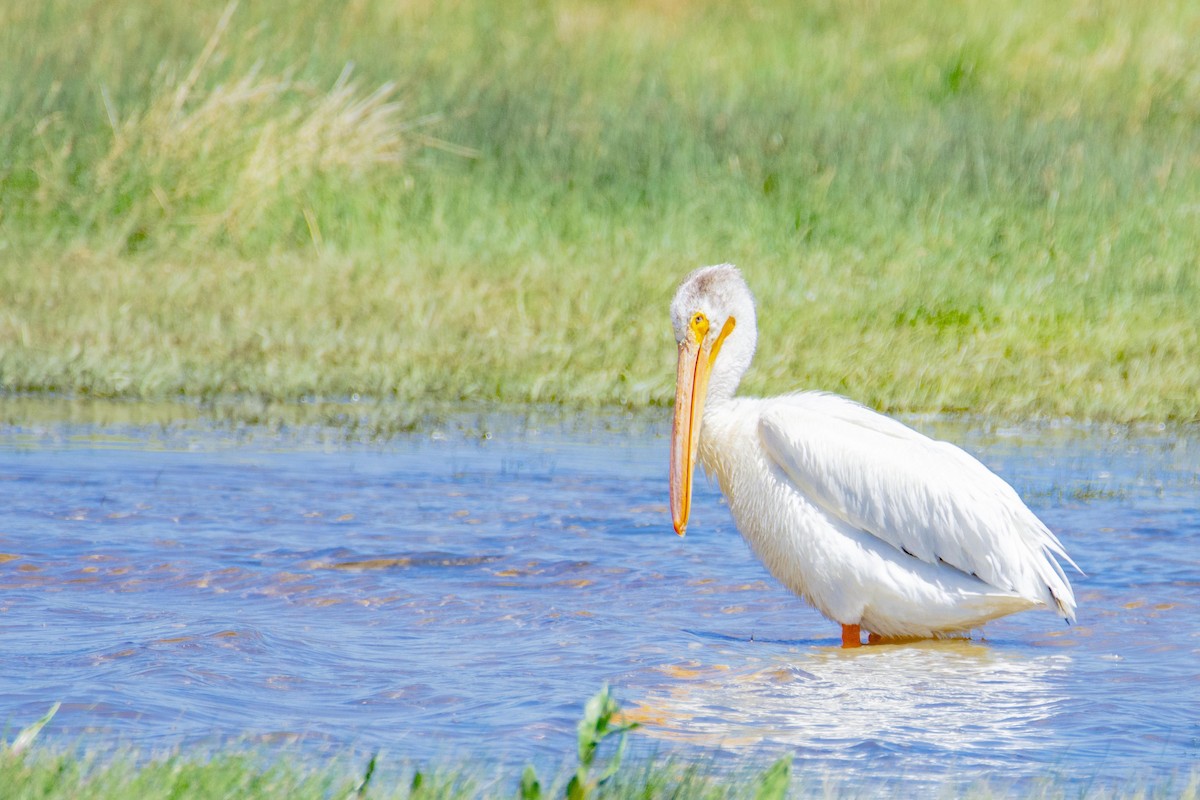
(927, 498)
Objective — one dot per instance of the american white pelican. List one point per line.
(879, 527)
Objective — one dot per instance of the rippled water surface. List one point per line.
(448, 594)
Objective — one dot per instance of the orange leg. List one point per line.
(851, 636)
(874, 638)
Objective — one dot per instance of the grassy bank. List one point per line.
(598, 773)
(601, 771)
(44, 777)
(991, 208)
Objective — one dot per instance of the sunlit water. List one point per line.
(448, 595)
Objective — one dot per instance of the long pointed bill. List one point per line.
(691, 386)
(691, 389)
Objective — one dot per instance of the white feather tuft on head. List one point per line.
(719, 292)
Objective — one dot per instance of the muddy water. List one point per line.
(459, 592)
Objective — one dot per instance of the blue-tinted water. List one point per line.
(446, 595)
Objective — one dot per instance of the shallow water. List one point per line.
(452, 593)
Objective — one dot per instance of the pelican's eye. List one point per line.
(699, 325)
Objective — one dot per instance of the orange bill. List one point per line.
(696, 359)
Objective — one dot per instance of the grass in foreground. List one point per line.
(42, 775)
(45, 776)
(986, 208)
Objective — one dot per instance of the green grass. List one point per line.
(980, 207)
(42, 776)
(27, 773)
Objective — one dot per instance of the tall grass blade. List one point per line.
(25, 738)
(774, 783)
(531, 788)
(361, 791)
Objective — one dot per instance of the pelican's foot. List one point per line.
(851, 636)
(874, 638)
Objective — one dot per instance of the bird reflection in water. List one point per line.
(928, 700)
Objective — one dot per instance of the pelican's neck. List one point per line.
(726, 423)
(732, 362)
(722, 424)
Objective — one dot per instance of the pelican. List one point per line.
(879, 527)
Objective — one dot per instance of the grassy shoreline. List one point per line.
(602, 771)
(367, 420)
(971, 209)
(46, 776)
(103, 340)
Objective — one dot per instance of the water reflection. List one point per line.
(932, 702)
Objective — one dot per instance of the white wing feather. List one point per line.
(925, 497)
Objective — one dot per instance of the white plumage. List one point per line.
(873, 523)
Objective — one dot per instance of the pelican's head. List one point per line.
(713, 317)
